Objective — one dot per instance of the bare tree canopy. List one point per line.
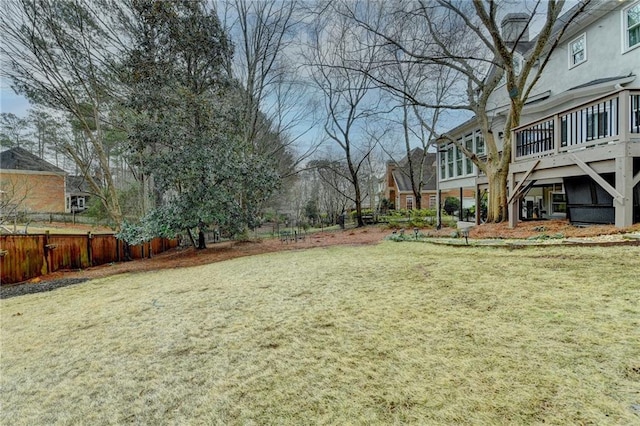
(62, 55)
(466, 38)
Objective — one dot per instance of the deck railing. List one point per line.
(598, 122)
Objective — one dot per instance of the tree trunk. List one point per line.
(497, 206)
(201, 240)
(360, 222)
(193, 241)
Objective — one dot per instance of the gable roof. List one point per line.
(77, 185)
(401, 173)
(21, 159)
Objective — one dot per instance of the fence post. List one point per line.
(89, 251)
(45, 250)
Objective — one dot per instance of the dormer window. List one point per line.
(631, 26)
(578, 51)
(517, 64)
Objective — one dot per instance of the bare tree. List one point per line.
(466, 38)
(60, 55)
(334, 189)
(351, 105)
(418, 124)
(14, 192)
(266, 34)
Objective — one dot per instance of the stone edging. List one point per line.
(626, 240)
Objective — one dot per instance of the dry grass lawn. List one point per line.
(388, 334)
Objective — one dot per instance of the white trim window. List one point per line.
(459, 158)
(468, 144)
(409, 203)
(631, 27)
(518, 64)
(578, 50)
(453, 162)
(479, 143)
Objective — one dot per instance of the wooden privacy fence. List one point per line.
(23, 257)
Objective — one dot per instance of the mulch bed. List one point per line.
(186, 257)
(21, 289)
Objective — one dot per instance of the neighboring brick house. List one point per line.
(398, 189)
(30, 184)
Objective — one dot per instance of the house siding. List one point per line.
(560, 136)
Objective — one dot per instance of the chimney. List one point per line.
(513, 25)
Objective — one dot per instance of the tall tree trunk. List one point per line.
(497, 206)
(360, 222)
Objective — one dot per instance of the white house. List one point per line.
(577, 152)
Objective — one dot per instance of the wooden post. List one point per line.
(478, 206)
(624, 186)
(89, 251)
(47, 262)
(624, 115)
(557, 133)
(439, 209)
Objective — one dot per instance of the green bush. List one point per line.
(414, 217)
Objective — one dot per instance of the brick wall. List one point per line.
(34, 191)
(425, 200)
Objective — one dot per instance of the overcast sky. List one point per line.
(18, 105)
(12, 103)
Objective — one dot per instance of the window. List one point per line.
(409, 203)
(558, 203)
(458, 160)
(81, 203)
(479, 143)
(578, 51)
(631, 25)
(468, 143)
(432, 201)
(517, 63)
(450, 161)
(443, 164)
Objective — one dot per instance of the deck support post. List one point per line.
(624, 186)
